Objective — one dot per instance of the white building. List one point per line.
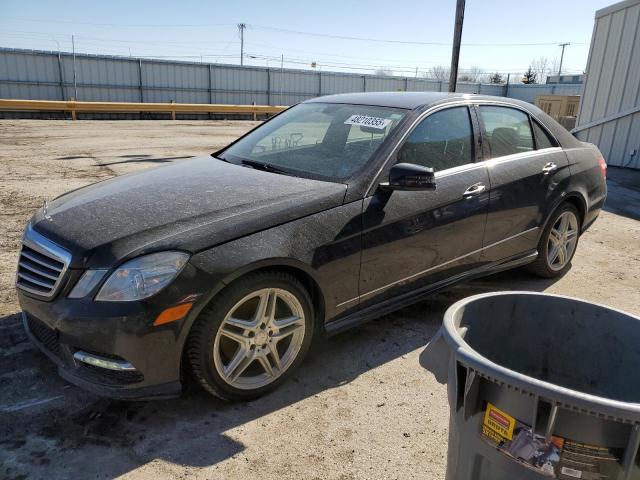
(610, 108)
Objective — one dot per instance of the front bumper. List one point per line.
(122, 333)
(129, 386)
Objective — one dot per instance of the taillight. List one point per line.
(603, 167)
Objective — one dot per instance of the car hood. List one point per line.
(188, 206)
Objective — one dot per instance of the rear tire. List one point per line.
(558, 243)
(252, 336)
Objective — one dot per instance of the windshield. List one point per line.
(317, 140)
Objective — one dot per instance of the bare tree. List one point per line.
(439, 72)
(541, 66)
(496, 78)
(383, 72)
(473, 74)
(554, 66)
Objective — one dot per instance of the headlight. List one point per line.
(142, 277)
(89, 280)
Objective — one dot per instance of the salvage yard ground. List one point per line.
(360, 406)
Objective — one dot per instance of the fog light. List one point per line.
(102, 362)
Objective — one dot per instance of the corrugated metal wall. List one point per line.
(29, 74)
(610, 108)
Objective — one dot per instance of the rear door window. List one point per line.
(442, 140)
(543, 139)
(507, 130)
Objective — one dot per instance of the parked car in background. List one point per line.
(338, 210)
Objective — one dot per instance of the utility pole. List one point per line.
(457, 36)
(562, 56)
(241, 27)
(75, 85)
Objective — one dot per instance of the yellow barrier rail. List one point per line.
(74, 107)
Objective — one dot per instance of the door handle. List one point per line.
(474, 190)
(549, 167)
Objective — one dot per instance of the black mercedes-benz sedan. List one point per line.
(333, 212)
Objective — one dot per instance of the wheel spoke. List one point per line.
(286, 332)
(271, 307)
(564, 223)
(266, 306)
(562, 254)
(237, 337)
(273, 351)
(242, 324)
(264, 361)
(287, 322)
(571, 234)
(554, 236)
(239, 363)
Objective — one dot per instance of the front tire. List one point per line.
(558, 243)
(252, 336)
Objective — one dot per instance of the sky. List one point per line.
(361, 36)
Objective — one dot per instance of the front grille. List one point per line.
(42, 265)
(47, 336)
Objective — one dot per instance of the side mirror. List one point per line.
(407, 176)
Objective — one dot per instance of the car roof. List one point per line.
(417, 100)
(406, 100)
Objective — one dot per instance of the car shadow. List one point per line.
(118, 436)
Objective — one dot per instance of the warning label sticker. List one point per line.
(367, 121)
(558, 458)
(498, 421)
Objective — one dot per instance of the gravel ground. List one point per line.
(360, 407)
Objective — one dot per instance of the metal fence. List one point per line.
(42, 75)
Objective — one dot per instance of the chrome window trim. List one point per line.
(518, 156)
(469, 102)
(43, 245)
(418, 274)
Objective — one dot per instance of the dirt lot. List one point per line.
(360, 407)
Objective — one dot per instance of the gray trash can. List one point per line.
(539, 386)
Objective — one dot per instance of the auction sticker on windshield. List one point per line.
(367, 121)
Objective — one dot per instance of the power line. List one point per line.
(110, 40)
(406, 42)
(135, 25)
(362, 66)
(335, 55)
(284, 30)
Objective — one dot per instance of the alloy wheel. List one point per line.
(259, 338)
(562, 241)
